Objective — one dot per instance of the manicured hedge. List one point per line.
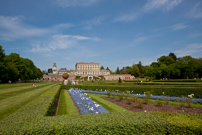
(179, 80)
(169, 91)
(31, 119)
(52, 107)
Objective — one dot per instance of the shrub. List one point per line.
(121, 96)
(140, 103)
(159, 102)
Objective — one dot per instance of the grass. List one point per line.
(15, 101)
(111, 107)
(66, 105)
(9, 92)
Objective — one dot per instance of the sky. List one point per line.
(114, 33)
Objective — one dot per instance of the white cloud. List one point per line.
(13, 28)
(149, 6)
(179, 26)
(195, 35)
(189, 50)
(196, 12)
(161, 4)
(126, 17)
(140, 39)
(94, 22)
(74, 3)
(57, 42)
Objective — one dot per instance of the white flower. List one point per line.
(91, 108)
(97, 105)
(96, 112)
(145, 110)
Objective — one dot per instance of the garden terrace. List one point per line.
(31, 119)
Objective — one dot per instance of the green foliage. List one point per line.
(159, 102)
(106, 104)
(13, 67)
(170, 89)
(121, 96)
(15, 96)
(77, 77)
(66, 105)
(31, 119)
(130, 99)
(102, 67)
(166, 100)
(189, 102)
(140, 103)
(109, 93)
(119, 81)
(52, 107)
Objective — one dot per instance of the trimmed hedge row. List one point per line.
(157, 83)
(31, 119)
(169, 91)
(53, 105)
(179, 80)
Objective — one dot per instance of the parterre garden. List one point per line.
(30, 110)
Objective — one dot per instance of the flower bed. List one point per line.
(85, 104)
(173, 98)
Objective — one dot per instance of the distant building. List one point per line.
(85, 69)
(117, 76)
(54, 68)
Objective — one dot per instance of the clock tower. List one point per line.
(54, 68)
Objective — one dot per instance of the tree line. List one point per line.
(169, 67)
(14, 68)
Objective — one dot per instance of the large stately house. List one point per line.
(85, 69)
(82, 69)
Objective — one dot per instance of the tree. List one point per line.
(139, 65)
(154, 64)
(181, 65)
(173, 56)
(165, 71)
(12, 63)
(165, 60)
(13, 67)
(50, 70)
(2, 65)
(136, 70)
(193, 68)
(117, 70)
(102, 67)
(119, 81)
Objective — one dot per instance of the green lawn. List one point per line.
(17, 89)
(66, 105)
(111, 107)
(18, 95)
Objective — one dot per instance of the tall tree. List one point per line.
(165, 60)
(173, 56)
(136, 70)
(102, 67)
(50, 70)
(117, 70)
(2, 65)
(12, 64)
(139, 65)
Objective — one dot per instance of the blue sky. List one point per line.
(115, 33)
